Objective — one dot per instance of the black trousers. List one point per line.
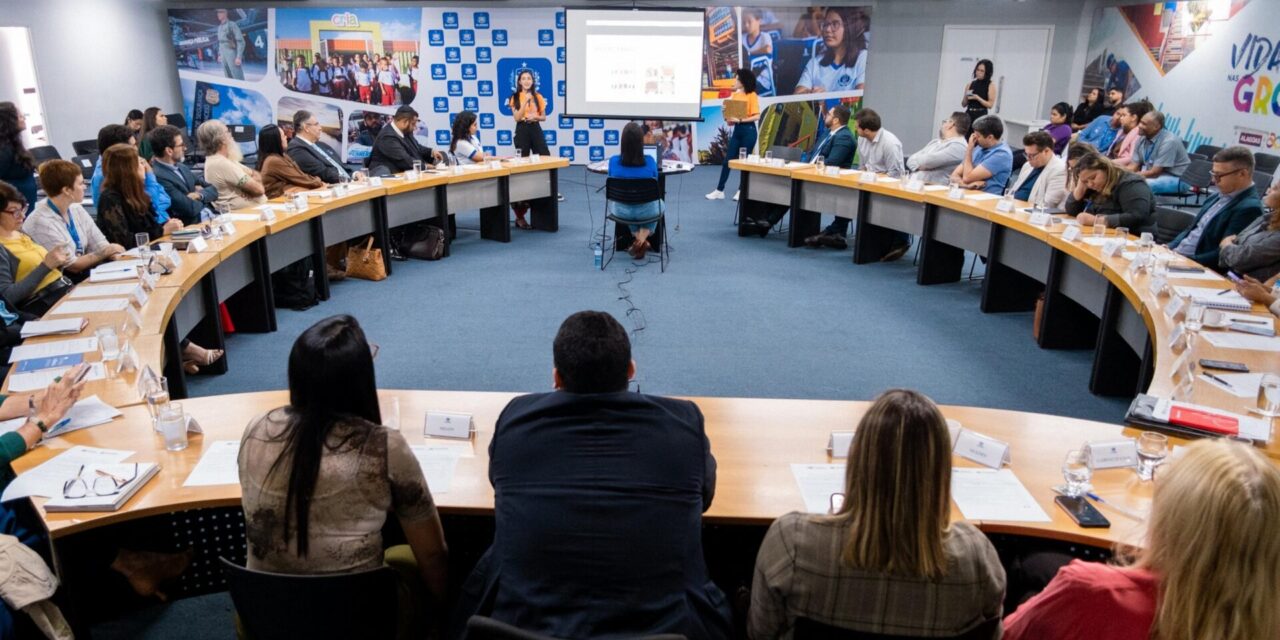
(529, 136)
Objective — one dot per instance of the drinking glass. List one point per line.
(768, 156)
(1122, 233)
(819, 162)
(417, 167)
(108, 342)
(1099, 227)
(1195, 317)
(1269, 395)
(157, 390)
(142, 241)
(1077, 470)
(742, 154)
(1160, 267)
(390, 409)
(223, 209)
(1153, 448)
(173, 426)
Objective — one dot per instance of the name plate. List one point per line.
(838, 444)
(1175, 337)
(1040, 219)
(1111, 248)
(753, 158)
(229, 228)
(956, 193)
(128, 361)
(196, 245)
(446, 424)
(982, 449)
(375, 181)
(135, 318)
(954, 427)
(268, 215)
(831, 171)
(1157, 286)
(140, 296)
(1005, 205)
(1179, 366)
(410, 175)
(914, 185)
(300, 201)
(144, 376)
(1071, 233)
(1113, 454)
(867, 176)
(175, 258)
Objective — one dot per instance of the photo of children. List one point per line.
(368, 56)
(824, 50)
(362, 129)
(222, 42)
(674, 138)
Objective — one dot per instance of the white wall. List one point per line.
(96, 59)
(99, 58)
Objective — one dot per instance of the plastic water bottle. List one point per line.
(599, 254)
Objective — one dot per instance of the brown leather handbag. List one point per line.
(366, 262)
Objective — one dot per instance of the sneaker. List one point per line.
(735, 195)
(716, 195)
(559, 197)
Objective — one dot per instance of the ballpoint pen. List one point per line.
(1118, 509)
(1219, 381)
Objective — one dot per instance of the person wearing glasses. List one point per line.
(888, 560)
(320, 476)
(238, 186)
(31, 278)
(842, 65)
(1255, 251)
(395, 149)
(190, 196)
(1225, 213)
(1209, 566)
(314, 157)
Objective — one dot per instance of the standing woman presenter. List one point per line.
(744, 129)
(529, 109)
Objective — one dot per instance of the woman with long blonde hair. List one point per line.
(890, 553)
(1210, 566)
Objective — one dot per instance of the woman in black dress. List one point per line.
(980, 93)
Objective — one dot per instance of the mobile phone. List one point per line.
(1084, 514)
(1232, 276)
(1224, 365)
(84, 371)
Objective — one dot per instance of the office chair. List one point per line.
(1170, 222)
(85, 147)
(87, 163)
(482, 628)
(1262, 181)
(1265, 162)
(44, 154)
(274, 606)
(633, 191)
(807, 629)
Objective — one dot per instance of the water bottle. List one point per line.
(599, 254)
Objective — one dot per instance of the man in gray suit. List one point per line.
(230, 46)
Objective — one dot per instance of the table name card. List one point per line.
(955, 428)
(267, 215)
(914, 185)
(753, 158)
(1040, 219)
(133, 317)
(140, 296)
(1112, 247)
(831, 171)
(376, 181)
(196, 245)
(1005, 205)
(1113, 454)
(446, 424)
(229, 228)
(838, 443)
(1157, 286)
(867, 176)
(982, 449)
(956, 193)
(1071, 233)
(300, 201)
(1175, 337)
(1179, 366)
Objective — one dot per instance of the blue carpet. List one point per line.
(730, 317)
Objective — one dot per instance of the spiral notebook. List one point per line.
(1215, 298)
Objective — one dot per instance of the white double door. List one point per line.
(1021, 58)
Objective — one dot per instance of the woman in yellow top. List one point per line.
(529, 109)
(744, 129)
(30, 279)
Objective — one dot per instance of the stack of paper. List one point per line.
(1230, 340)
(218, 465)
(51, 349)
(37, 380)
(92, 305)
(1214, 298)
(438, 465)
(137, 475)
(68, 326)
(112, 271)
(88, 412)
(989, 494)
(817, 483)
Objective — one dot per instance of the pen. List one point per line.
(1218, 380)
(1250, 321)
(1121, 510)
(1225, 291)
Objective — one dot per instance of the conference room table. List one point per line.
(1090, 299)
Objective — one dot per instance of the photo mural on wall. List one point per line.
(354, 67)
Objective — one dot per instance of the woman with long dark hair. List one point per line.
(17, 167)
(280, 174)
(529, 109)
(980, 93)
(843, 63)
(151, 118)
(631, 162)
(319, 475)
(465, 146)
(1090, 108)
(744, 129)
(124, 208)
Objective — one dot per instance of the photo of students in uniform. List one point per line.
(368, 56)
(225, 42)
(805, 50)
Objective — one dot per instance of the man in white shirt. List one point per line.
(934, 163)
(879, 151)
(1043, 178)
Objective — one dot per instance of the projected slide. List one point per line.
(634, 64)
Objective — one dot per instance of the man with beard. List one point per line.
(238, 186)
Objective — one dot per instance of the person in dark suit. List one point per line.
(314, 157)
(188, 195)
(836, 148)
(395, 149)
(1225, 213)
(599, 494)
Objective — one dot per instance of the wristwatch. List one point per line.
(31, 415)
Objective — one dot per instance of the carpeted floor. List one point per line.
(730, 317)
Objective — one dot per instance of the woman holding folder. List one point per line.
(742, 111)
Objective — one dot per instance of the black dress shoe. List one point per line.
(834, 241)
(895, 253)
(814, 241)
(763, 227)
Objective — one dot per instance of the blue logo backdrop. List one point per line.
(559, 19)
(455, 87)
(452, 54)
(560, 88)
(435, 38)
(504, 137)
(581, 137)
(560, 55)
(468, 71)
(438, 72)
(509, 68)
(550, 137)
(595, 123)
(566, 123)
(443, 137)
(451, 19)
(470, 103)
(546, 37)
(485, 88)
(467, 37)
(484, 55)
(440, 105)
(567, 152)
(482, 19)
(486, 121)
(596, 154)
(611, 136)
(499, 37)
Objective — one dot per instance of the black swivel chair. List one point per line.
(273, 606)
(44, 154)
(807, 629)
(788, 154)
(1262, 181)
(482, 628)
(84, 147)
(633, 191)
(87, 163)
(1266, 162)
(1170, 222)
(1198, 180)
(1207, 150)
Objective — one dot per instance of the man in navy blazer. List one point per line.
(836, 148)
(395, 149)
(314, 157)
(1225, 213)
(188, 195)
(599, 494)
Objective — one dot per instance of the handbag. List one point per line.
(427, 244)
(366, 262)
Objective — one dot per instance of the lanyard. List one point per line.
(71, 226)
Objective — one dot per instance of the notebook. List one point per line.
(92, 502)
(1216, 298)
(69, 326)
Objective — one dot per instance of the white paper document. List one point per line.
(248, 217)
(988, 494)
(217, 465)
(936, 187)
(95, 305)
(1240, 385)
(113, 276)
(51, 349)
(1233, 340)
(64, 326)
(47, 479)
(37, 380)
(1196, 275)
(438, 465)
(817, 483)
(102, 291)
(981, 196)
